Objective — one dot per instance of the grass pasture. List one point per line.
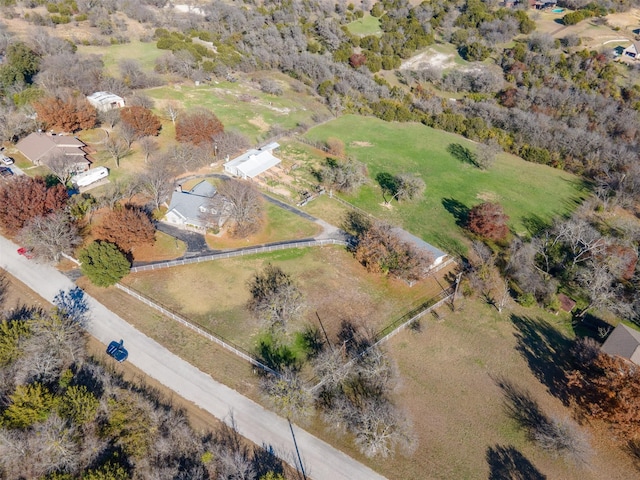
(367, 25)
(243, 107)
(145, 53)
(333, 283)
(530, 194)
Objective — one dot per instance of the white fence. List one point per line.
(238, 253)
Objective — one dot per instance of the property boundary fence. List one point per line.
(239, 351)
(238, 253)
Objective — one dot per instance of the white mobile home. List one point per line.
(90, 176)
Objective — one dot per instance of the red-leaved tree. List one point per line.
(198, 127)
(127, 227)
(66, 115)
(488, 220)
(357, 60)
(142, 120)
(25, 198)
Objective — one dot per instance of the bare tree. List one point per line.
(246, 205)
(288, 395)
(157, 182)
(486, 153)
(563, 437)
(275, 298)
(117, 148)
(172, 110)
(127, 132)
(61, 166)
(51, 236)
(148, 145)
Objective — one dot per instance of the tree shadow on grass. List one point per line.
(547, 351)
(458, 209)
(520, 406)
(508, 463)
(535, 224)
(463, 154)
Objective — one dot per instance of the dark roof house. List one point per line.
(623, 342)
(199, 208)
(37, 146)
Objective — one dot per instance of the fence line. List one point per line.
(239, 351)
(238, 253)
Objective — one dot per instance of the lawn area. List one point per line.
(449, 385)
(367, 25)
(530, 193)
(242, 107)
(333, 283)
(145, 53)
(279, 225)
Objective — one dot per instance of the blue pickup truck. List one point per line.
(117, 351)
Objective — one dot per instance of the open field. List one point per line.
(333, 283)
(243, 107)
(530, 193)
(145, 53)
(367, 25)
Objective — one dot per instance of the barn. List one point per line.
(105, 101)
(253, 162)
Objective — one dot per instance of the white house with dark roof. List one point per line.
(253, 162)
(623, 342)
(105, 101)
(198, 209)
(38, 146)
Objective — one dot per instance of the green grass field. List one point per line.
(530, 194)
(144, 52)
(242, 107)
(367, 25)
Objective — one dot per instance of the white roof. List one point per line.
(254, 162)
(105, 98)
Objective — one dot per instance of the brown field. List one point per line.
(213, 294)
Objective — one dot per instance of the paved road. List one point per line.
(254, 422)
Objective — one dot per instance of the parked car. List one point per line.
(5, 172)
(25, 252)
(6, 160)
(117, 351)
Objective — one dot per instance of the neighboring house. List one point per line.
(105, 101)
(199, 208)
(631, 51)
(623, 342)
(38, 146)
(253, 162)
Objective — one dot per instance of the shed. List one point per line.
(253, 162)
(437, 254)
(623, 342)
(566, 303)
(105, 101)
(37, 146)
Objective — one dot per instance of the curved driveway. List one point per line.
(264, 428)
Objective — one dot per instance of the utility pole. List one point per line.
(304, 475)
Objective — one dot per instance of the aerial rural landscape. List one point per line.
(286, 240)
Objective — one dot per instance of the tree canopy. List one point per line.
(104, 263)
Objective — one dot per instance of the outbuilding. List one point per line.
(623, 342)
(105, 101)
(253, 162)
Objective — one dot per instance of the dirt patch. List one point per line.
(488, 196)
(259, 122)
(429, 59)
(361, 144)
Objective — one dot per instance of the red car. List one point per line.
(26, 252)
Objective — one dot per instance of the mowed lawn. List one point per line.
(530, 193)
(367, 25)
(214, 294)
(449, 376)
(243, 107)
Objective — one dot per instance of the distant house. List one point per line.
(253, 162)
(198, 209)
(105, 101)
(38, 146)
(623, 342)
(631, 51)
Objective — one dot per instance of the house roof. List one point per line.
(186, 205)
(418, 242)
(254, 162)
(37, 145)
(566, 303)
(623, 342)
